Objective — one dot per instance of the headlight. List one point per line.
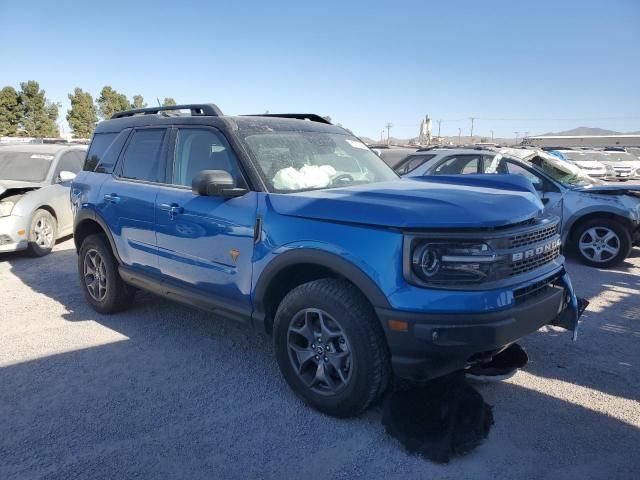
(445, 262)
(6, 208)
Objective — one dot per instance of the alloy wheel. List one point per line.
(95, 275)
(43, 233)
(599, 244)
(319, 351)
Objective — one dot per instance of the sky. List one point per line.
(525, 66)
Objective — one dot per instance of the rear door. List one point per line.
(127, 198)
(205, 244)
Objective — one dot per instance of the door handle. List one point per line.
(111, 197)
(172, 208)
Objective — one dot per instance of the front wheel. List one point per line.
(602, 242)
(43, 233)
(330, 347)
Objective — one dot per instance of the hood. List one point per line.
(446, 202)
(14, 184)
(10, 185)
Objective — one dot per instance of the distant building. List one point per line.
(583, 140)
(424, 138)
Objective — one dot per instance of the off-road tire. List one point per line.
(370, 361)
(119, 296)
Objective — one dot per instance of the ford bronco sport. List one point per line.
(293, 226)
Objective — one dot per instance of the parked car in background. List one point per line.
(626, 165)
(34, 195)
(296, 228)
(391, 154)
(600, 223)
(589, 162)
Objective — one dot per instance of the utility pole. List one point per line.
(459, 135)
(472, 120)
(388, 127)
(517, 134)
(439, 122)
(491, 135)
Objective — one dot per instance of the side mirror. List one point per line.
(65, 176)
(215, 183)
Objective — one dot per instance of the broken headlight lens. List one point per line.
(6, 208)
(442, 262)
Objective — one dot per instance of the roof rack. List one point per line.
(313, 117)
(197, 109)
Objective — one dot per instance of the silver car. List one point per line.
(34, 195)
(600, 223)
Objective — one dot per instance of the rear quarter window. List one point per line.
(97, 149)
(104, 151)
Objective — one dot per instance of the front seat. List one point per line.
(201, 157)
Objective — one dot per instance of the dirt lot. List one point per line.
(163, 391)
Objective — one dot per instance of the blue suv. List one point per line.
(293, 226)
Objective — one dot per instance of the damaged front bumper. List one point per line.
(13, 233)
(437, 344)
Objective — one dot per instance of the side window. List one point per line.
(493, 164)
(517, 169)
(70, 162)
(412, 162)
(465, 164)
(200, 149)
(142, 158)
(97, 149)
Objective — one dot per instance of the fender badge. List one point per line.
(234, 254)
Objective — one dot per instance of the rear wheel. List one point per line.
(103, 288)
(602, 242)
(330, 347)
(43, 233)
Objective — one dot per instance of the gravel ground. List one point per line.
(164, 391)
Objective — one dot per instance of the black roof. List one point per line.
(209, 114)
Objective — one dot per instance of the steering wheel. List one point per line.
(340, 178)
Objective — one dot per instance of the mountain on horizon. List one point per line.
(585, 131)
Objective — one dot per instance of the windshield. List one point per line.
(563, 175)
(24, 166)
(299, 161)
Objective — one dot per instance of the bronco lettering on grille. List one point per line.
(534, 252)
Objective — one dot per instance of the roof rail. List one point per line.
(197, 109)
(313, 117)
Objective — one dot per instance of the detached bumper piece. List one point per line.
(502, 366)
(570, 316)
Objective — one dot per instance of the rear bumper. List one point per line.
(437, 344)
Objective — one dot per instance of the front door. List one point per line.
(205, 243)
(550, 194)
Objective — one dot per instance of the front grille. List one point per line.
(527, 293)
(5, 239)
(524, 266)
(536, 236)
